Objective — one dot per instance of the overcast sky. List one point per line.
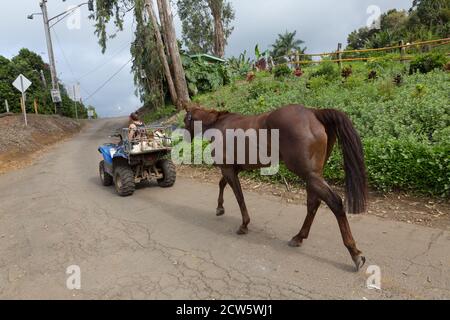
(320, 23)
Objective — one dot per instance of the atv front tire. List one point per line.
(169, 173)
(124, 181)
(106, 178)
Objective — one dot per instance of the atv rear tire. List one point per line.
(169, 173)
(124, 181)
(106, 178)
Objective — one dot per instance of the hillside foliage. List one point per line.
(30, 65)
(403, 119)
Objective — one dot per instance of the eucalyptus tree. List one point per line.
(151, 45)
(206, 25)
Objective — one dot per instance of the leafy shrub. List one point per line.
(281, 71)
(352, 82)
(317, 82)
(428, 62)
(257, 88)
(419, 91)
(251, 76)
(398, 79)
(372, 75)
(298, 72)
(327, 70)
(386, 89)
(240, 66)
(346, 72)
(405, 164)
(203, 76)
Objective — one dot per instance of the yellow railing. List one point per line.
(338, 53)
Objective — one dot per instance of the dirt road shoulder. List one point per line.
(20, 145)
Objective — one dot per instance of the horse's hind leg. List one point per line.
(231, 176)
(334, 202)
(220, 211)
(313, 203)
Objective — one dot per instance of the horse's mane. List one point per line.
(197, 106)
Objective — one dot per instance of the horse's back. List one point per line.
(296, 118)
(302, 138)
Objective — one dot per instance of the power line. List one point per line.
(108, 80)
(64, 55)
(115, 54)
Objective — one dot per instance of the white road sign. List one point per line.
(75, 93)
(22, 83)
(56, 95)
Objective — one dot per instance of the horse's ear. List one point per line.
(188, 106)
(185, 106)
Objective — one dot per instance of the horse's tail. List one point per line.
(338, 124)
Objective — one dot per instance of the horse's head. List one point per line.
(195, 113)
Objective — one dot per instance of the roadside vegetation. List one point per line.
(32, 66)
(403, 120)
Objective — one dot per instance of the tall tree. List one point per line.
(197, 26)
(432, 12)
(223, 14)
(159, 46)
(149, 63)
(117, 9)
(166, 18)
(426, 20)
(286, 44)
(206, 25)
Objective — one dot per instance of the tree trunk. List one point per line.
(216, 7)
(174, 53)
(219, 37)
(162, 54)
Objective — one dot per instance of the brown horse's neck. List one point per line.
(222, 116)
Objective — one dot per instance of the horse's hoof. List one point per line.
(241, 231)
(359, 262)
(294, 243)
(220, 212)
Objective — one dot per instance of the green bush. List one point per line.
(261, 87)
(404, 164)
(282, 71)
(203, 76)
(240, 66)
(428, 62)
(328, 71)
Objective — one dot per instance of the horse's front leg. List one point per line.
(231, 176)
(220, 211)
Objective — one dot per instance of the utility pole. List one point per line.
(75, 100)
(51, 57)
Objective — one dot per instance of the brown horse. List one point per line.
(306, 139)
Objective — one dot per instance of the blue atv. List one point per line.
(142, 155)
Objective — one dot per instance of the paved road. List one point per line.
(169, 243)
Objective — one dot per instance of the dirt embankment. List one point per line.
(19, 144)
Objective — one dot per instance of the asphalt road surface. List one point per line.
(168, 243)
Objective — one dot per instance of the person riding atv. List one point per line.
(142, 154)
(134, 124)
